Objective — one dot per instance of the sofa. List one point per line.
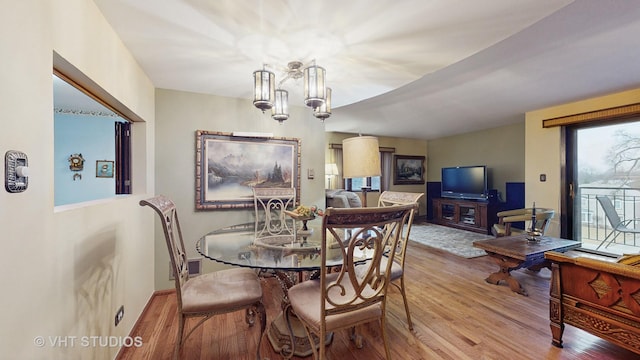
(597, 294)
(340, 198)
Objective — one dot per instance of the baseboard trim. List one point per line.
(137, 324)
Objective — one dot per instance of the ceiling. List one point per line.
(403, 68)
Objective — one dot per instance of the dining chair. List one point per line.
(269, 205)
(343, 298)
(618, 226)
(208, 294)
(507, 218)
(390, 198)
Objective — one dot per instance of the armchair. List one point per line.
(507, 218)
(339, 198)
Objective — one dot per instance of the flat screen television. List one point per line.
(464, 182)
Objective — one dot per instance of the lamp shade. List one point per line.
(314, 86)
(361, 157)
(280, 109)
(323, 111)
(264, 89)
(330, 169)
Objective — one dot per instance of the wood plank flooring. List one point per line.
(456, 316)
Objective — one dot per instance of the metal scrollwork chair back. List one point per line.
(347, 298)
(390, 198)
(209, 294)
(269, 204)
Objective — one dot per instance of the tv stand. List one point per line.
(477, 216)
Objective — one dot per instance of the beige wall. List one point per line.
(178, 116)
(543, 149)
(403, 146)
(65, 273)
(501, 149)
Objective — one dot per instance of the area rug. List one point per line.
(455, 241)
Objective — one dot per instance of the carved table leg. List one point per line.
(555, 307)
(278, 332)
(504, 274)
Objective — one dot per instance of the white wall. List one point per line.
(66, 273)
(178, 115)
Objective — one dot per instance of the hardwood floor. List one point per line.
(456, 315)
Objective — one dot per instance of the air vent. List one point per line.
(194, 265)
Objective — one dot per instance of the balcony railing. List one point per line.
(595, 227)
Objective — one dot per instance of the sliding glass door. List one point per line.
(603, 163)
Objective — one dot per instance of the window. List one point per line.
(86, 129)
(356, 184)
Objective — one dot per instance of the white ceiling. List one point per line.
(405, 68)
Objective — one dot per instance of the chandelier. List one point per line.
(316, 95)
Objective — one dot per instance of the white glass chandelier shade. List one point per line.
(263, 89)
(361, 157)
(314, 86)
(324, 111)
(280, 109)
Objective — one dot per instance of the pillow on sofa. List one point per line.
(629, 259)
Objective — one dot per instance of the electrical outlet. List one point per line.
(119, 315)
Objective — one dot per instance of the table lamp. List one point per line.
(330, 170)
(361, 158)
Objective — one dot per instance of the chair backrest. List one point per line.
(390, 198)
(269, 204)
(166, 210)
(543, 219)
(609, 210)
(364, 234)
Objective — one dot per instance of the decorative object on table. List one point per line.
(76, 162)
(228, 167)
(361, 158)
(304, 214)
(104, 169)
(316, 94)
(534, 233)
(408, 169)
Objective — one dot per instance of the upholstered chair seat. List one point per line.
(221, 290)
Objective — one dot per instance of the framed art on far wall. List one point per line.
(104, 168)
(408, 169)
(228, 167)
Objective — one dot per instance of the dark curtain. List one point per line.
(123, 158)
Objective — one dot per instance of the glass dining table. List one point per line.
(290, 256)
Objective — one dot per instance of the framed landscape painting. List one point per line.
(408, 169)
(228, 167)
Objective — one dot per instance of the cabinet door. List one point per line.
(482, 216)
(468, 214)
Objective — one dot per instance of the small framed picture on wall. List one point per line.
(408, 170)
(104, 168)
